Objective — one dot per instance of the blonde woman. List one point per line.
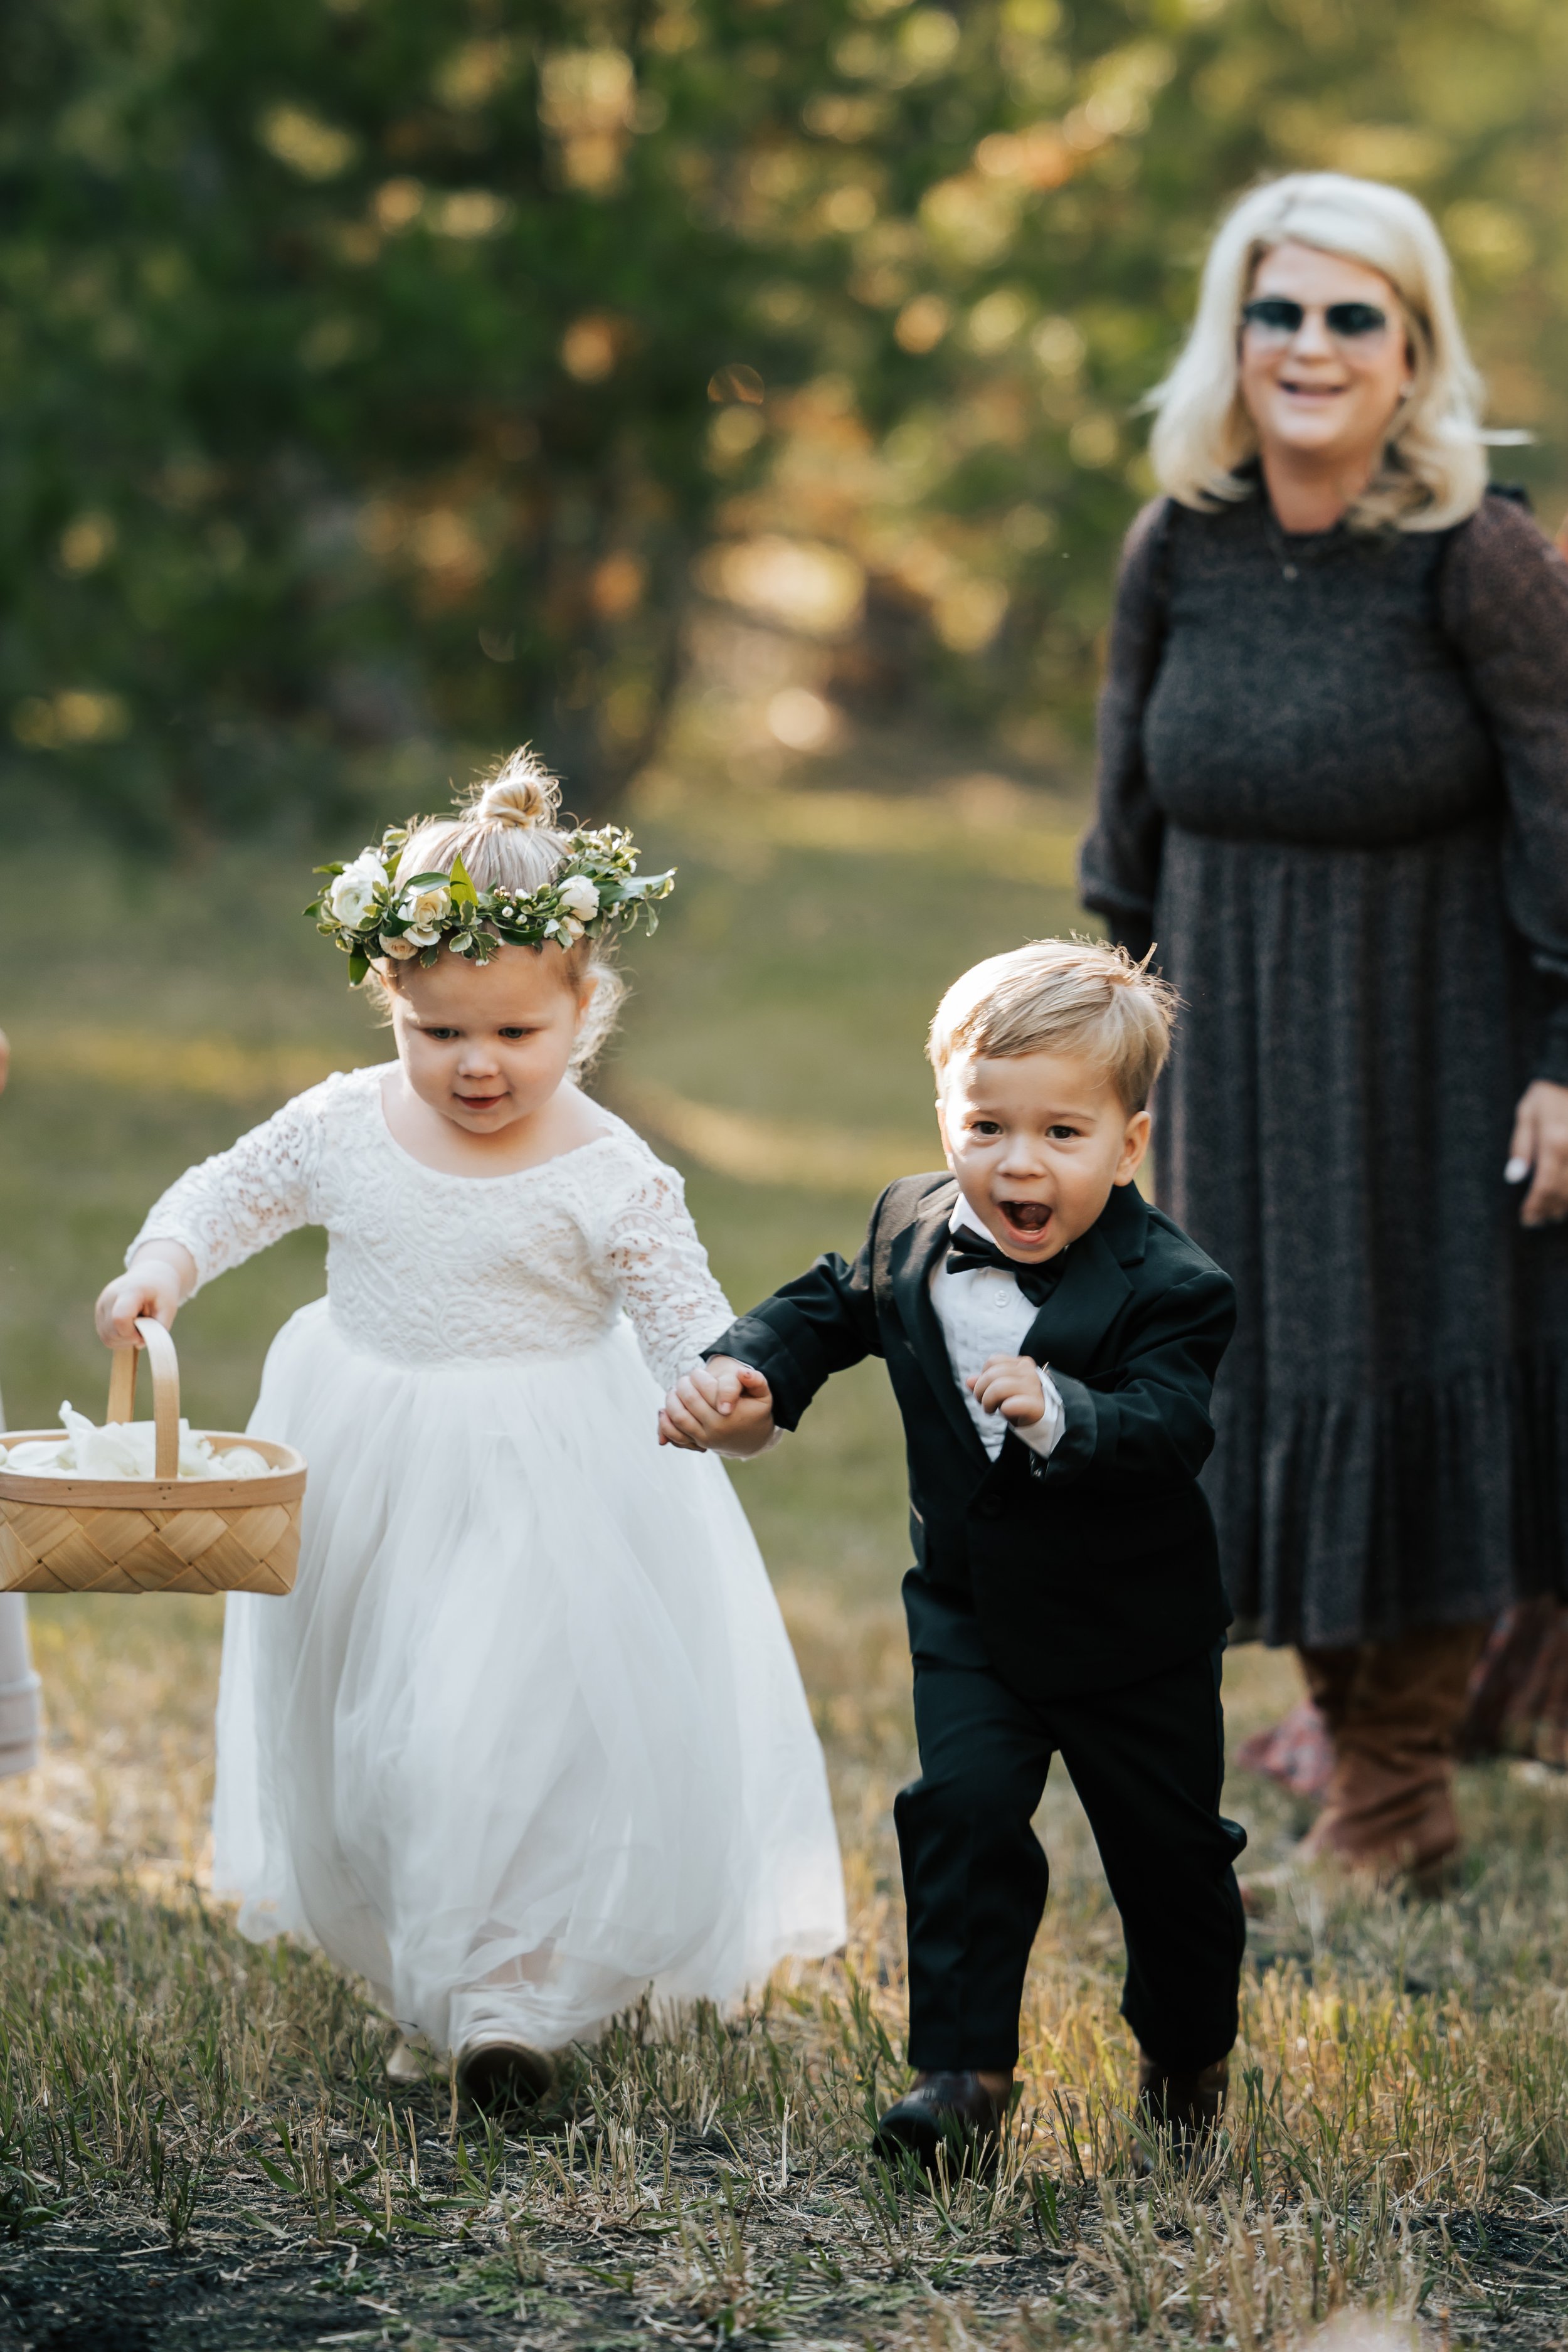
(1334, 787)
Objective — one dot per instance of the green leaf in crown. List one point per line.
(375, 918)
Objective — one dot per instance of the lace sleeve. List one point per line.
(241, 1200)
(661, 1268)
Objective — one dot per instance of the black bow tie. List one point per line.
(971, 1250)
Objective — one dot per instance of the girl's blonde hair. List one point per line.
(1070, 996)
(1433, 468)
(506, 832)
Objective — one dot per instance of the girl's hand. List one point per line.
(723, 1404)
(1541, 1144)
(1011, 1385)
(161, 1279)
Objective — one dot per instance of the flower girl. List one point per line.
(527, 1740)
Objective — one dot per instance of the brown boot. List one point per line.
(1517, 1700)
(1393, 1709)
(952, 2111)
(1187, 2106)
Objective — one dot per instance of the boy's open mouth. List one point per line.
(1026, 1219)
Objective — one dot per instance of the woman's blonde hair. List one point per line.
(506, 833)
(1434, 469)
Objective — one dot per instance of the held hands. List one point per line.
(1011, 1385)
(723, 1405)
(161, 1278)
(1541, 1144)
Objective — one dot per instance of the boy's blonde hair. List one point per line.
(507, 832)
(1064, 996)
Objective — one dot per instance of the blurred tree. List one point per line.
(374, 370)
(354, 381)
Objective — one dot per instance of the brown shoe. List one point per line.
(501, 2076)
(1187, 2106)
(952, 2111)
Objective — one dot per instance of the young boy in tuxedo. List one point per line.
(1052, 1341)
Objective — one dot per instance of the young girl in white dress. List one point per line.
(527, 1740)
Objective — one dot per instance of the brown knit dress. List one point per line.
(1334, 787)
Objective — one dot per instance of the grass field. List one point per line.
(198, 2145)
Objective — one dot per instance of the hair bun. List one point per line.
(522, 792)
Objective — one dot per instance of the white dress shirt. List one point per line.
(984, 1313)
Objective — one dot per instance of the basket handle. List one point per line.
(165, 1366)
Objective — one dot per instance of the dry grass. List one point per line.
(193, 2126)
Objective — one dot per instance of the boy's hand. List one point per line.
(1011, 1386)
(723, 1404)
(158, 1284)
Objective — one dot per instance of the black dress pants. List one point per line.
(1148, 1761)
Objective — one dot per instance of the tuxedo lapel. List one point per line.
(1081, 1309)
(919, 1247)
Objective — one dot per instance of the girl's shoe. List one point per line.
(502, 2076)
(411, 2060)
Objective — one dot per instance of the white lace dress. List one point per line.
(527, 1738)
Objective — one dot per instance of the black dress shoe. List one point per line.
(1187, 2106)
(951, 2111)
(502, 2076)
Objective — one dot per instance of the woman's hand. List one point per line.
(1541, 1144)
(161, 1278)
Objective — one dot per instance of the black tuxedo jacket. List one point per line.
(1098, 1566)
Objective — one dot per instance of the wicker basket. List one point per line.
(162, 1534)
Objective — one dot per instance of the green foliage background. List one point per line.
(373, 371)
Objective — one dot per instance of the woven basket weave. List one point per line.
(162, 1534)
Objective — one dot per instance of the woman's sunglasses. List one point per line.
(1277, 318)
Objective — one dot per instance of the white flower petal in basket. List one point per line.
(128, 1450)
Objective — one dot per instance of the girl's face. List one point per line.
(1328, 387)
(486, 1045)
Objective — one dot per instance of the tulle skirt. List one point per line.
(528, 1739)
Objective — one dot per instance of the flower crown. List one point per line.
(372, 915)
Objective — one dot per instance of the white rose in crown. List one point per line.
(353, 891)
(425, 912)
(604, 890)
